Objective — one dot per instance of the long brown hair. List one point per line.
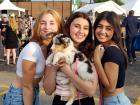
(114, 20)
(87, 45)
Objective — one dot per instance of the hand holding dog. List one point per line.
(65, 67)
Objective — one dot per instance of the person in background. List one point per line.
(31, 61)
(110, 59)
(78, 27)
(3, 23)
(131, 26)
(11, 40)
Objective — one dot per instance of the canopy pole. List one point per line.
(18, 13)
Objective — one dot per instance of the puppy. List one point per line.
(63, 47)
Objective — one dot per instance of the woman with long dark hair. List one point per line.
(110, 59)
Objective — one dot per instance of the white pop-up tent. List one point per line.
(100, 7)
(103, 6)
(110, 6)
(132, 5)
(7, 5)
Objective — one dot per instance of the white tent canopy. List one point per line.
(88, 7)
(103, 6)
(7, 5)
(133, 5)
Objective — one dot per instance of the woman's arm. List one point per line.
(111, 71)
(86, 87)
(108, 74)
(27, 81)
(49, 80)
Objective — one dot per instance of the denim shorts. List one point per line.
(120, 99)
(14, 96)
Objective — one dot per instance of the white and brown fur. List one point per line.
(63, 47)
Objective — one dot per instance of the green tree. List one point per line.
(117, 1)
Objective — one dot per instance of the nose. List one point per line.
(47, 26)
(103, 31)
(81, 30)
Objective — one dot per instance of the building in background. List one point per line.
(33, 8)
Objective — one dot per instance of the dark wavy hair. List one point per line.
(113, 19)
(87, 46)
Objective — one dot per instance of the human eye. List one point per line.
(52, 23)
(42, 23)
(76, 25)
(86, 28)
(109, 28)
(99, 26)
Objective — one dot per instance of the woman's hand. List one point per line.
(99, 52)
(51, 67)
(64, 66)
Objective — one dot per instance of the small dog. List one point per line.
(63, 47)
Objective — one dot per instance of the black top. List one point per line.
(11, 38)
(131, 25)
(114, 54)
(3, 25)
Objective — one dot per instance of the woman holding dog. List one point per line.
(31, 62)
(110, 59)
(79, 29)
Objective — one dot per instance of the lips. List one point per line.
(49, 35)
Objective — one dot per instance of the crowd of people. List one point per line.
(15, 34)
(105, 53)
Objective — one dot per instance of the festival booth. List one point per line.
(9, 6)
(95, 8)
(100, 7)
(133, 5)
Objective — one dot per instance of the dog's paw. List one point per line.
(65, 81)
(70, 102)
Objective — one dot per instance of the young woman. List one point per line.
(31, 62)
(109, 58)
(79, 29)
(11, 40)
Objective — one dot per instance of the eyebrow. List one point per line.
(105, 26)
(80, 25)
(45, 21)
(42, 21)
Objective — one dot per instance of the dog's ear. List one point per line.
(79, 55)
(66, 41)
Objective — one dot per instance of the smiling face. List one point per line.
(79, 30)
(104, 31)
(48, 25)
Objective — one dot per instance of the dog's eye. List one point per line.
(57, 41)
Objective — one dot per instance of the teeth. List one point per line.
(80, 36)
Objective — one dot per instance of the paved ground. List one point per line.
(132, 87)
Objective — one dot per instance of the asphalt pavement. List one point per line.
(132, 87)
